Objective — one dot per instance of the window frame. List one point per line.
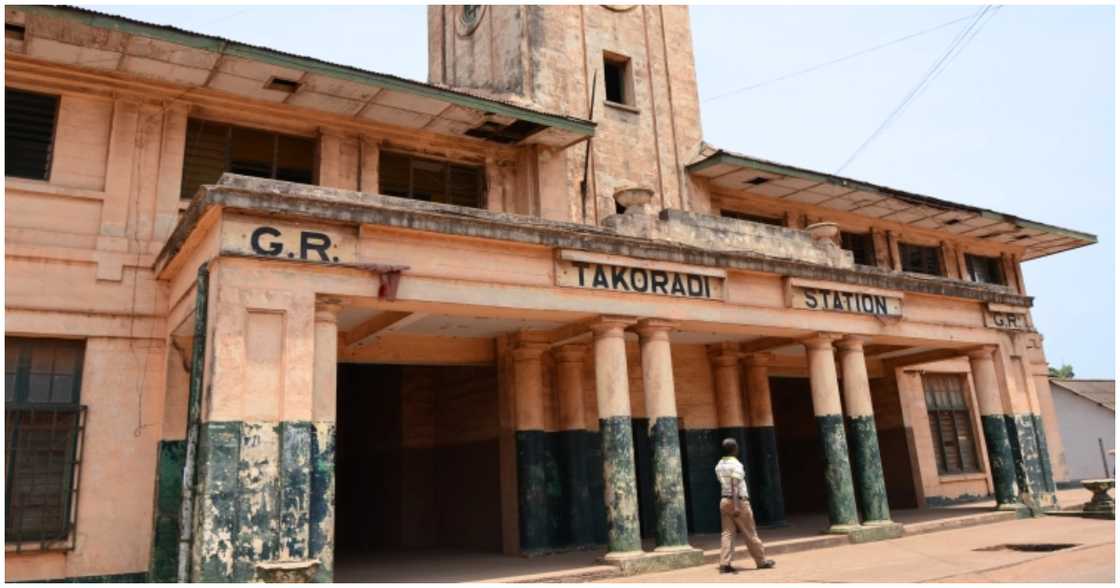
(230, 128)
(49, 165)
(626, 79)
(868, 248)
(995, 265)
(904, 247)
(22, 410)
(448, 166)
(956, 415)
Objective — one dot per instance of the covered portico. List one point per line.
(590, 329)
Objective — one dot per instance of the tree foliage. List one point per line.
(1065, 372)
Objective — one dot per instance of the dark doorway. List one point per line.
(894, 444)
(799, 450)
(417, 459)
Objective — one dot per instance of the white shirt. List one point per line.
(731, 475)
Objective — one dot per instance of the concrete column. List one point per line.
(664, 434)
(766, 500)
(612, 390)
(534, 455)
(1000, 459)
(729, 397)
(324, 403)
(575, 441)
(842, 512)
(867, 465)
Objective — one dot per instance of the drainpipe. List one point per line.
(194, 408)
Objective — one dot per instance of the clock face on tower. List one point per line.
(469, 17)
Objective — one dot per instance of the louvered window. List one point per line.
(985, 270)
(950, 424)
(861, 245)
(920, 259)
(29, 125)
(43, 425)
(215, 148)
(430, 180)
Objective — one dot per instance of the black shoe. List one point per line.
(766, 563)
(728, 570)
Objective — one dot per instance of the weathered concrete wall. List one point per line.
(1082, 423)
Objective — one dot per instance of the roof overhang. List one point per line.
(758, 177)
(117, 45)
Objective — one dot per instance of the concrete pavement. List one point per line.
(945, 556)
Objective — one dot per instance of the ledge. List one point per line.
(276, 198)
(622, 107)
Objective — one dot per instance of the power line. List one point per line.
(959, 42)
(837, 60)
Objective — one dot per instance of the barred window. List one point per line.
(215, 148)
(43, 423)
(920, 259)
(861, 245)
(985, 270)
(29, 124)
(430, 180)
(950, 424)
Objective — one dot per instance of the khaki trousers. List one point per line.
(730, 523)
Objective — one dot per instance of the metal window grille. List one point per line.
(215, 148)
(920, 258)
(861, 245)
(29, 127)
(985, 270)
(430, 180)
(950, 424)
(44, 425)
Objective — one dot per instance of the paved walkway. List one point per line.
(949, 556)
(444, 565)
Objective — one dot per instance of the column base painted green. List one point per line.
(620, 487)
(1001, 459)
(540, 491)
(1028, 457)
(1044, 460)
(840, 492)
(262, 487)
(700, 453)
(575, 447)
(164, 565)
(766, 494)
(867, 469)
(668, 485)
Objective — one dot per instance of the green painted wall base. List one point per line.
(164, 563)
(766, 493)
(129, 578)
(1029, 470)
(265, 493)
(540, 491)
(700, 453)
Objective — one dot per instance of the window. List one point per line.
(215, 148)
(986, 270)
(920, 259)
(753, 218)
(950, 424)
(430, 180)
(616, 78)
(29, 123)
(861, 245)
(43, 424)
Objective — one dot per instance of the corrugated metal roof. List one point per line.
(112, 21)
(1102, 392)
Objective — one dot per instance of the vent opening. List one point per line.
(282, 85)
(505, 134)
(953, 221)
(757, 181)
(16, 32)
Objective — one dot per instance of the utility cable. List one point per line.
(818, 66)
(958, 43)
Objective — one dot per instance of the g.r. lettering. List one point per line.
(267, 241)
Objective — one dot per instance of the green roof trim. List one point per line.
(722, 157)
(280, 58)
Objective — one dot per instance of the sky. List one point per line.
(1020, 121)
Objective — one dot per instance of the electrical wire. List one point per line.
(818, 66)
(959, 42)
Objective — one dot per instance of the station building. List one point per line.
(262, 309)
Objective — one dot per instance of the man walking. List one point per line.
(735, 511)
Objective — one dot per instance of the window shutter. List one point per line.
(205, 158)
(28, 133)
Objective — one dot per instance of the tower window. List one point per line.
(616, 76)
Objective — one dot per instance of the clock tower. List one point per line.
(629, 68)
